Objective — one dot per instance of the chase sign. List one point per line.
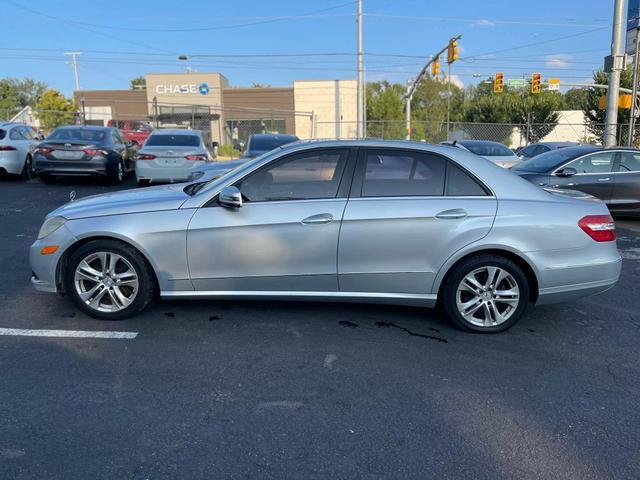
(192, 88)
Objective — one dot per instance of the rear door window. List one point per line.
(396, 173)
(601, 162)
(462, 184)
(629, 162)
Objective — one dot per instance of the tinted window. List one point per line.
(548, 161)
(539, 149)
(307, 175)
(528, 151)
(29, 133)
(3, 133)
(630, 162)
(269, 143)
(488, 149)
(461, 184)
(179, 140)
(596, 163)
(16, 134)
(78, 134)
(396, 174)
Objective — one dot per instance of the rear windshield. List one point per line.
(164, 140)
(2, 134)
(269, 143)
(77, 134)
(488, 149)
(548, 161)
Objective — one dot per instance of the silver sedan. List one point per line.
(363, 221)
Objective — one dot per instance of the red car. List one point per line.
(133, 130)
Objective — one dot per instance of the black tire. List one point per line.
(27, 171)
(145, 275)
(143, 183)
(47, 179)
(453, 280)
(117, 175)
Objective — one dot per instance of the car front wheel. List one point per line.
(486, 294)
(109, 280)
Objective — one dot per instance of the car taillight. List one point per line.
(146, 156)
(43, 150)
(599, 227)
(92, 152)
(7, 148)
(196, 158)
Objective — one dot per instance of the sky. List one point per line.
(275, 42)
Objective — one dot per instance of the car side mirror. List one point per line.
(566, 172)
(214, 144)
(230, 197)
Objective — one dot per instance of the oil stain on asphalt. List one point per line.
(347, 323)
(412, 334)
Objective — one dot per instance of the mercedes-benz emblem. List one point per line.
(72, 195)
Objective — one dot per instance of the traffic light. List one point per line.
(435, 67)
(452, 51)
(536, 83)
(498, 83)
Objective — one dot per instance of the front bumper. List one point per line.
(44, 267)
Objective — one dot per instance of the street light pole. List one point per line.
(611, 119)
(634, 92)
(360, 90)
(407, 110)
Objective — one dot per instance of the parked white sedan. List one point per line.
(169, 156)
(493, 151)
(17, 142)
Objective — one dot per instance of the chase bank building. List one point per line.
(226, 114)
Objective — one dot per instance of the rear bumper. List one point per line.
(154, 173)
(96, 167)
(11, 162)
(571, 282)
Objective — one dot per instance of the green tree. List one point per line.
(576, 99)
(595, 117)
(9, 99)
(429, 108)
(55, 110)
(29, 91)
(385, 110)
(138, 83)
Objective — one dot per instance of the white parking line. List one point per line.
(67, 333)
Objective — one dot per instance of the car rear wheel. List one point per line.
(117, 175)
(27, 170)
(486, 294)
(109, 280)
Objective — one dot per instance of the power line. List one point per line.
(480, 21)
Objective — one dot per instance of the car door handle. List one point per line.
(452, 214)
(604, 179)
(318, 219)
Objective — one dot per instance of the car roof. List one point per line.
(84, 127)
(480, 142)
(558, 144)
(273, 135)
(175, 131)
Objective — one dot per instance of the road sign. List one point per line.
(633, 21)
(553, 84)
(515, 82)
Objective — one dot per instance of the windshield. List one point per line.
(164, 140)
(488, 149)
(548, 160)
(269, 143)
(77, 134)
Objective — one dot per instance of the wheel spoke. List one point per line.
(85, 271)
(472, 284)
(122, 298)
(113, 260)
(95, 300)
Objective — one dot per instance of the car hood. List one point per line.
(151, 199)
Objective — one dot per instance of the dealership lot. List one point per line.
(299, 390)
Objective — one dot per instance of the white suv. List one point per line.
(17, 142)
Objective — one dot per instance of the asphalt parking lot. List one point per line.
(300, 390)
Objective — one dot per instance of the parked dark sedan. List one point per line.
(84, 151)
(260, 143)
(539, 148)
(612, 175)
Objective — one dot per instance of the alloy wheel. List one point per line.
(488, 296)
(106, 282)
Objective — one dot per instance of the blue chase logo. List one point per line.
(203, 88)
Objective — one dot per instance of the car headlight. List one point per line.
(50, 225)
(193, 176)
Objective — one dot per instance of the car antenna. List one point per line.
(454, 143)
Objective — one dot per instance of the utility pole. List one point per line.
(407, 110)
(614, 64)
(634, 92)
(360, 92)
(74, 63)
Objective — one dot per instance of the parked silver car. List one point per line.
(169, 155)
(494, 151)
(214, 170)
(17, 142)
(365, 221)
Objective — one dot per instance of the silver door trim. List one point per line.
(428, 299)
